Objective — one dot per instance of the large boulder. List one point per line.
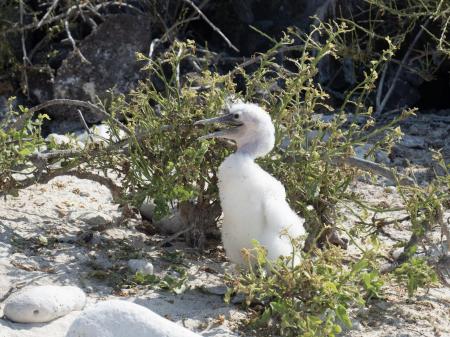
(43, 303)
(121, 318)
(111, 52)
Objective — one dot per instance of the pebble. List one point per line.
(92, 218)
(117, 318)
(215, 290)
(39, 304)
(142, 266)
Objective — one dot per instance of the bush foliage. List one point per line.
(160, 158)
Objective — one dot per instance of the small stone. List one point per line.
(43, 303)
(397, 252)
(382, 157)
(170, 224)
(361, 151)
(219, 290)
(238, 298)
(96, 219)
(141, 266)
(121, 318)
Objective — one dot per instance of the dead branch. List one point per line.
(86, 127)
(374, 168)
(34, 25)
(25, 60)
(19, 123)
(50, 10)
(257, 59)
(383, 103)
(214, 27)
(74, 44)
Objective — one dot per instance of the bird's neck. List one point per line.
(255, 147)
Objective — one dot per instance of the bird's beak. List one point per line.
(225, 119)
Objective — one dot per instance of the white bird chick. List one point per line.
(253, 202)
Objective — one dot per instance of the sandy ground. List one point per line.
(79, 254)
(45, 239)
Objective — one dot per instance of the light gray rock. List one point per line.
(382, 157)
(91, 218)
(121, 318)
(170, 224)
(142, 266)
(43, 303)
(219, 290)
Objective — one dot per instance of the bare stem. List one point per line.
(383, 103)
(214, 27)
(74, 44)
(50, 10)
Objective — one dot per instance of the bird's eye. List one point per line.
(236, 116)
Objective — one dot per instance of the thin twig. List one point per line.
(177, 71)
(6, 294)
(215, 28)
(258, 58)
(86, 127)
(383, 103)
(119, 4)
(32, 26)
(153, 45)
(25, 58)
(74, 44)
(50, 10)
(380, 86)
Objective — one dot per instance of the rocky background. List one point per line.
(70, 231)
(82, 57)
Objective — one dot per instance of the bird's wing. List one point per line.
(278, 216)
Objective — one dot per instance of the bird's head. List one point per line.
(251, 128)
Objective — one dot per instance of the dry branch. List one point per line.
(50, 10)
(374, 168)
(383, 103)
(214, 27)
(19, 123)
(74, 44)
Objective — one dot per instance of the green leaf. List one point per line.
(342, 314)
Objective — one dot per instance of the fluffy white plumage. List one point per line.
(253, 202)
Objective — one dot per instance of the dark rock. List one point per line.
(3, 106)
(40, 83)
(406, 92)
(111, 51)
(413, 142)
